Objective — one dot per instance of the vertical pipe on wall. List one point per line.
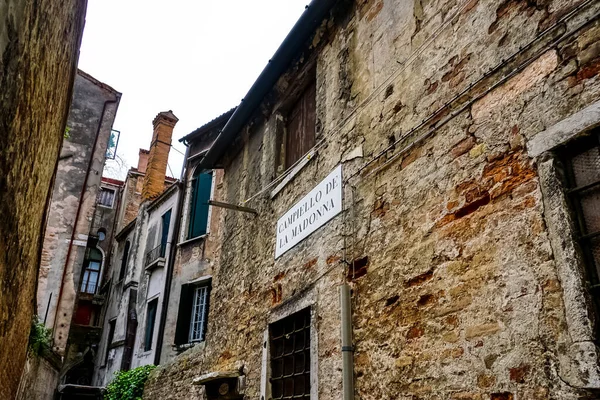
(347, 347)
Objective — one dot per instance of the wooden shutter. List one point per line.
(150, 319)
(300, 133)
(201, 189)
(184, 315)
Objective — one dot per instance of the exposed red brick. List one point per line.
(276, 294)
(358, 268)
(463, 147)
(410, 158)
(419, 279)
(333, 259)
(588, 71)
(425, 300)
(414, 332)
(279, 276)
(519, 373)
(380, 208)
(374, 10)
(310, 263)
(431, 87)
(502, 396)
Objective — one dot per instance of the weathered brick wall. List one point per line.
(455, 286)
(39, 43)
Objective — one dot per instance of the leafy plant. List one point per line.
(40, 337)
(67, 134)
(128, 385)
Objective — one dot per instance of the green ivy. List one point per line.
(128, 385)
(40, 337)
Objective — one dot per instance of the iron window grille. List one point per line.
(581, 161)
(290, 356)
(199, 311)
(106, 197)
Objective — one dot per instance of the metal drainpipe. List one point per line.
(77, 214)
(347, 347)
(171, 263)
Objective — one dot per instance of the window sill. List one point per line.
(192, 240)
(180, 348)
(306, 159)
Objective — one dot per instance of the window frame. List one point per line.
(150, 325)
(87, 270)
(203, 317)
(183, 328)
(112, 326)
(124, 260)
(114, 194)
(582, 238)
(278, 331)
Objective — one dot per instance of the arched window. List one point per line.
(91, 271)
(124, 260)
(201, 188)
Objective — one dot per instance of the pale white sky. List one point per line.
(195, 57)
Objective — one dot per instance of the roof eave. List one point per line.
(310, 20)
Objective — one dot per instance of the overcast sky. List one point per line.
(195, 57)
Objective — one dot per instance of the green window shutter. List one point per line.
(201, 188)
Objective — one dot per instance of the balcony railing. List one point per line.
(155, 254)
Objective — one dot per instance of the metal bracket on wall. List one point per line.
(232, 207)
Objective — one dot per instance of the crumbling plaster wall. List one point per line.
(455, 286)
(92, 113)
(195, 258)
(39, 42)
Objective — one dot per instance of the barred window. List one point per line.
(106, 197)
(290, 356)
(581, 160)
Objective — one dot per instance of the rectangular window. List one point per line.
(201, 191)
(290, 356)
(581, 160)
(164, 233)
(198, 314)
(192, 317)
(111, 335)
(90, 277)
(150, 320)
(300, 128)
(106, 197)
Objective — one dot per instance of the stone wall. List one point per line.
(39, 43)
(40, 377)
(428, 106)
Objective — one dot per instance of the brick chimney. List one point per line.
(143, 160)
(154, 181)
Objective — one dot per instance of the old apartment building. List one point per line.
(73, 251)
(407, 209)
(135, 279)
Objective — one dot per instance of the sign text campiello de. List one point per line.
(315, 209)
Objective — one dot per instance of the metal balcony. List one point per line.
(156, 256)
